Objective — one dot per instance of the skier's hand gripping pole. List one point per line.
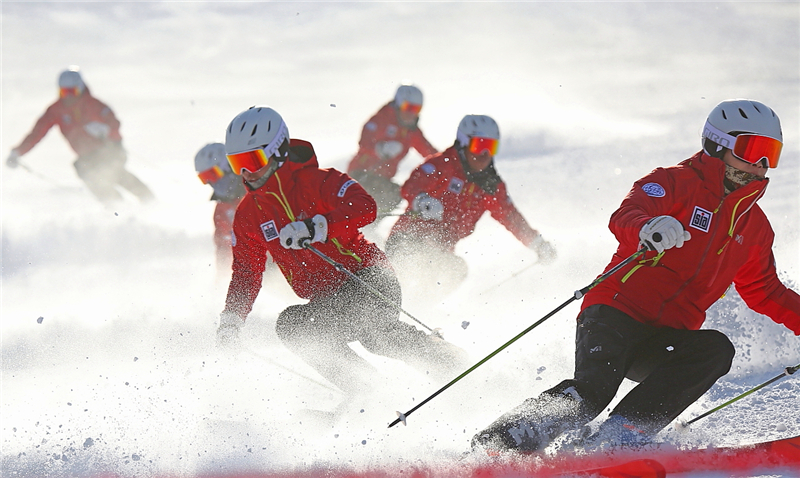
(402, 417)
(306, 244)
(786, 372)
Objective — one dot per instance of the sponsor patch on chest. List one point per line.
(456, 185)
(270, 230)
(701, 219)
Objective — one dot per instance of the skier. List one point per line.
(291, 203)
(385, 141)
(703, 231)
(92, 130)
(446, 196)
(213, 169)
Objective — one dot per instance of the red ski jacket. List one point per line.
(71, 120)
(442, 176)
(298, 191)
(731, 244)
(385, 127)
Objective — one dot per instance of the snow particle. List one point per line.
(39, 320)
(464, 324)
(363, 442)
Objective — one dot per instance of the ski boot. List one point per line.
(534, 424)
(615, 433)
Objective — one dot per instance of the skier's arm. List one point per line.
(421, 144)
(649, 197)
(503, 210)
(423, 179)
(40, 129)
(249, 262)
(347, 205)
(372, 132)
(759, 286)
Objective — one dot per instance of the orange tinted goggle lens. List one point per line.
(479, 145)
(410, 107)
(252, 161)
(752, 149)
(75, 91)
(210, 175)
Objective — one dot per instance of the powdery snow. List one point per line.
(108, 316)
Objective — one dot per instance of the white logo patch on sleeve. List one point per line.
(654, 190)
(701, 219)
(270, 230)
(344, 187)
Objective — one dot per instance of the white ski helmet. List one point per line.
(71, 78)
(480, 126)
(210, 155)
(408, 93)
(257, 127)
(733, 117)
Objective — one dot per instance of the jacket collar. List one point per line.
(712, 172)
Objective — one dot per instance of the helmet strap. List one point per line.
(713, 149)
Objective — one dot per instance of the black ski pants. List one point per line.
(673, 367)
(320, 331)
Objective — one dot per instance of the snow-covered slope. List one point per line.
(108, 316)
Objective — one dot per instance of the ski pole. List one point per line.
(42, 176)
(339, 267)
(401, 417)
(787, 371)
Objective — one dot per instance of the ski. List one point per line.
(646, 468)
(649, 462)
(770, 454)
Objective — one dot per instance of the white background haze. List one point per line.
(122, 376)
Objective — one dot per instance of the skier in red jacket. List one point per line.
(213, 169)
(703, 231)
(92, 130)
(447, 195)
(290, 204)
(385, 141)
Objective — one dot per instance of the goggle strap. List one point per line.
(718, 136)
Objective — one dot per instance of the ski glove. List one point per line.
(543, 249)
(662, 233)
(97, 129)
(228, 332)
(427, 207)
(13, 159)
(297, 235)
(387, 150)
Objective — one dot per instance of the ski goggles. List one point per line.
(72, 91)
(211, 175)
(409, 107)
(479, 145)
(251, 161)
(750, 148)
